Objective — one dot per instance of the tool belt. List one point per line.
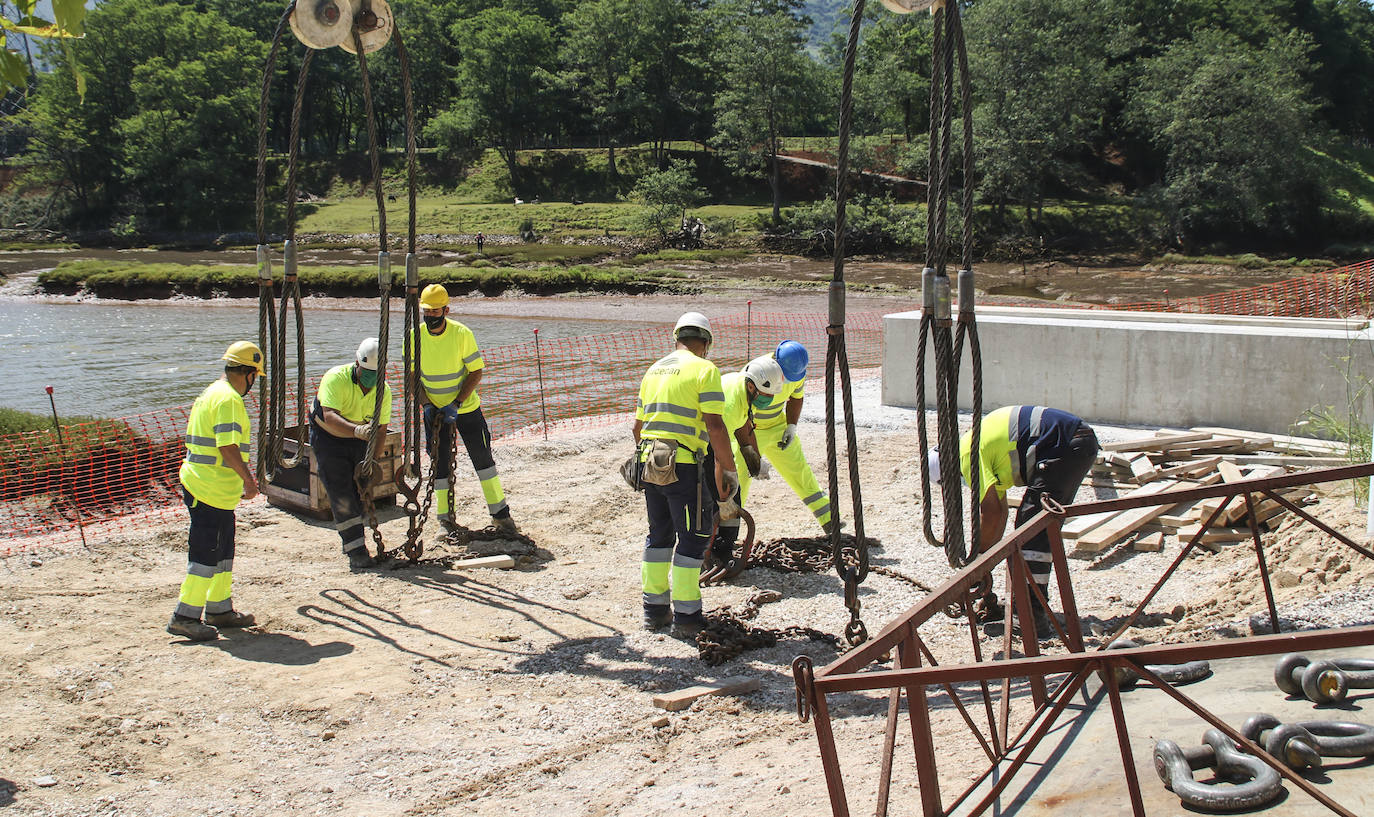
(659, 462)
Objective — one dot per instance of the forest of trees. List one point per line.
(1215, 113)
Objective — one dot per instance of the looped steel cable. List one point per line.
(852, 567)
(804, 676)
(946, 336)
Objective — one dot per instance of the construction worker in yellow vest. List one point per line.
(451, 368)
(775, 426)
(677, 426)
(755, 385)
(340, 419)
(214, 477)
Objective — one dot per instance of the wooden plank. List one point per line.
(1157, 443)
(1190, 468)
(1214, 536)
(1142, 469)
(1230, 472)
(683, 698)
(1290, 461)
(1237, 511)
(486, 561)
(1149, 543)
(1231, 444)
(1123, 523)
(1285, 442)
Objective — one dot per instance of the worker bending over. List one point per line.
(451, 367)
(339, 421)
(755, 385)
(775, 426)
(214, 476)
(677, 425)
(1049, 452)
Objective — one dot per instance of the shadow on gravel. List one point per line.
(277, 648)
(7, 790)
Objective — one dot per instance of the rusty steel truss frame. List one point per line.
(915, 667)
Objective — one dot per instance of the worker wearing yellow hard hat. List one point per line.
(451, 368)
(214, 477)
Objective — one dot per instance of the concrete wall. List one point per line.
(1148, 368)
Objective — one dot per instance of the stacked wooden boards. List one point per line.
(1199, 456)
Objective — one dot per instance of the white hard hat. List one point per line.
(368, 352)
(692, 325)
(765, 373)
(933, 463)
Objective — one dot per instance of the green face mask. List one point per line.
(762, 400)
(366, 377)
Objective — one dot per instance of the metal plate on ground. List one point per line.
(1077, 767)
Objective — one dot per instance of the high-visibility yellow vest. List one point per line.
(446, 360)
(736, 401)
(218, 417)
(339, 392)
(775, 413)
(673, 397)
(1011, 440)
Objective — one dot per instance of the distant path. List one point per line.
(887, 177)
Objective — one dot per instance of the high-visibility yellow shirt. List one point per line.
(339, 392)
(736, 401)
(217, 418)
(446, 359)
(674, 396)
(1011, 441)
(775, 413)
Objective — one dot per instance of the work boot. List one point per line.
(504, 524)
(360, 559)
(656, 618)
(687, 627)
(829, 527)
(191, 629)
(446, 522)
(230, 619)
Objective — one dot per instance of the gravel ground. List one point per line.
(432, 691)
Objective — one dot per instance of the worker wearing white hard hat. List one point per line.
(341, 422)
(754, 385)
(677, 427)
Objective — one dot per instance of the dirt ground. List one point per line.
(426, 690)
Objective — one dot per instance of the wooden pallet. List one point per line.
(300, 488)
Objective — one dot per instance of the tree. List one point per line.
(891, 74)
(770, 85)
(664, 195)
(504, 83)
(167, 128)
(1040, 77)
(1231, 122)
(68, 22)
(599, 50)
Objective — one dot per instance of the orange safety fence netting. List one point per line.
(1333, 293)
(119, 475)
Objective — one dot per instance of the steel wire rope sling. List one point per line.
(937, 323)
(852, 567)
(321, 24)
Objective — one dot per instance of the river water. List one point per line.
(117, 359)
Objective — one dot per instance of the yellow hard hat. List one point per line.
(245, 353)
(434, 296)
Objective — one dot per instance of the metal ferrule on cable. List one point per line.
(264, 266)
(384, 271)
(289, 261)
(966, 295)
(837, 303)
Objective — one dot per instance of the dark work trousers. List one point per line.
(680, 519)
(337, 460)
(476, 437)
(210, 560)
(1057, 473)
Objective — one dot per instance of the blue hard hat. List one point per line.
(792, 357)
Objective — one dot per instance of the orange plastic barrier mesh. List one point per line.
(121, 474)
(1334, 293)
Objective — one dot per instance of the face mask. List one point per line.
(762, 400)
(435, 322)
(367, 378)
(251, 378)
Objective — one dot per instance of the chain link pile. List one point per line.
(728, 631)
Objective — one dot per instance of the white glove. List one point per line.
(788, 435)
(729, 509)
(765, 468)
(360, 431)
